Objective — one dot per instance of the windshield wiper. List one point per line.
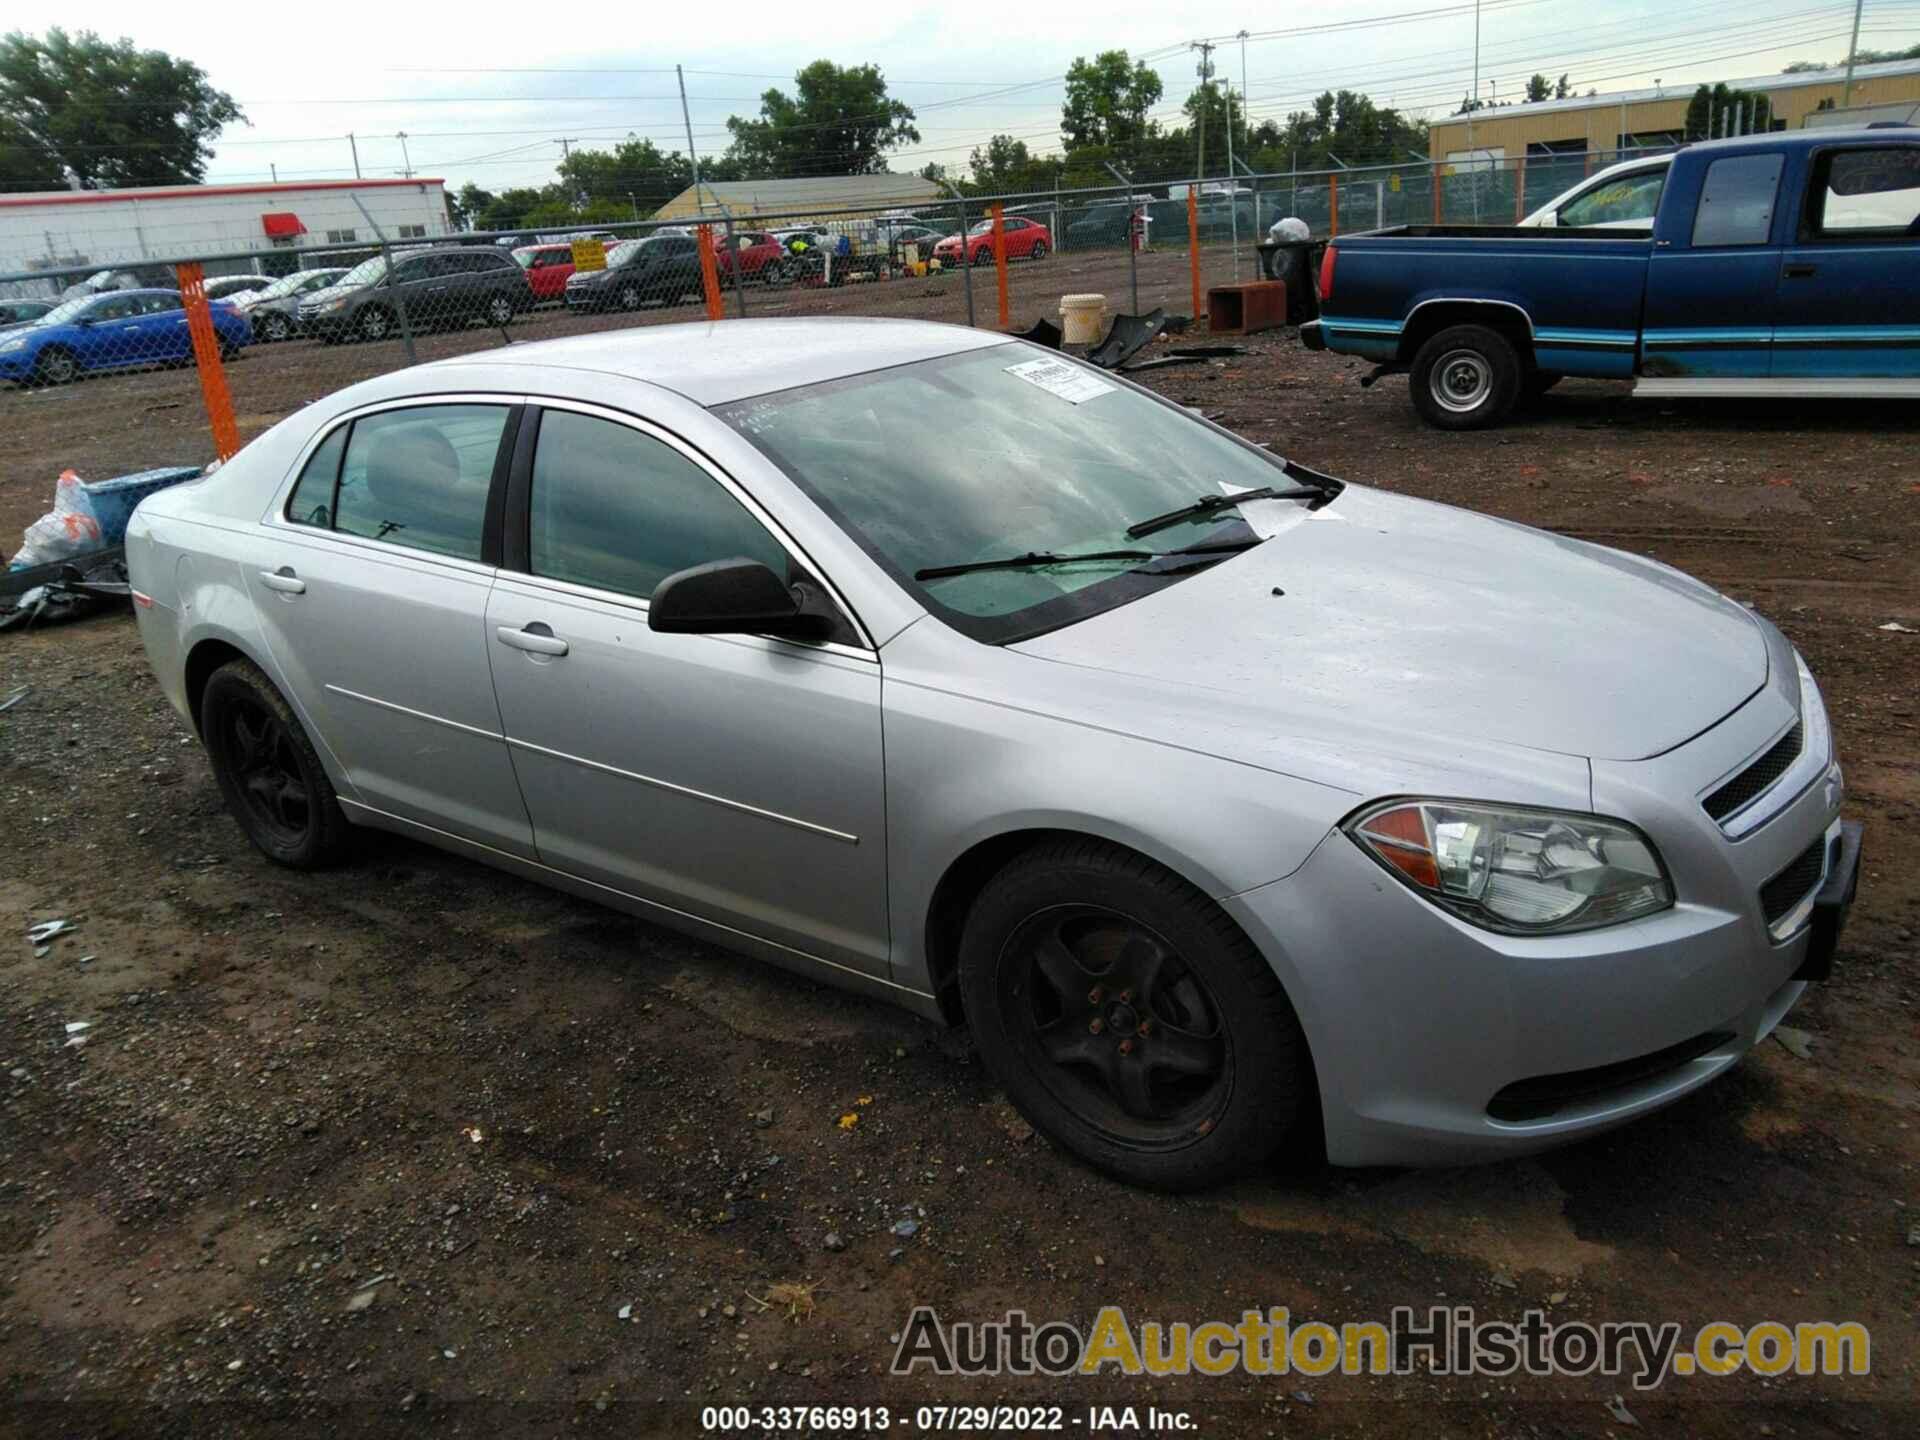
(1036, 558)
(1211, 504)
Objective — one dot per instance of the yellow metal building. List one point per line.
(822, 197)
(1600, 124)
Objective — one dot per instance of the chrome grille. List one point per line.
(1757, 778)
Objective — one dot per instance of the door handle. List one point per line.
(535, 641)
(1798, 272)
(283, 580)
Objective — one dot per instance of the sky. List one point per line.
(489, 102)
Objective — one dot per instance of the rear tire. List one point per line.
(1039, 251)
(1467, 377)
(1129, 1019)
(500, 312)
(268, 771)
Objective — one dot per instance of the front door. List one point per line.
(1714, 270)
(372, 588)
(1849, 307)
(731, 777)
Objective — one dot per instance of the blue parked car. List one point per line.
(1776, 266)
(118, 330)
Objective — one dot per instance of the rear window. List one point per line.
(1736, 201)
(1872, 192)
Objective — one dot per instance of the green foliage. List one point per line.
(1108, 98)
(106, 113)
(1347, 125)
(1860, 57)
(1005, 166)
(1709, 111)
(839, 122)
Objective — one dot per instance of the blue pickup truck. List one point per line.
(1784, 264)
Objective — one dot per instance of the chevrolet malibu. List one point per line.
(1224, 801)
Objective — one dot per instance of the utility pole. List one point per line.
(406, 160)
(686, 118)
(1473, 168)
(1846, 90)
(1205, 47)
(274, 170)
(1233, 185)
(356, 154)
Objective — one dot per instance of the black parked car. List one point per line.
(275, 311)
(449, 285)
(665, 268)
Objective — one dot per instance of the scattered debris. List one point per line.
(474, 1133)
(364, 1296)
(41, 934)
(15, 698)
(74, 1027)
(1127, 337)
(796, 1300)
(64, 590)
(850, 1119)
(1897, 628)
(763, 1118)
(906, 1229)
(625, 1312)
(835, 1241)
(1044, 332)
(1617, 1408)
(1504, 1279)
(1800, 1042)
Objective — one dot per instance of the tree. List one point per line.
(1860, 57)
(1108, 98)
(1561, 89)
(839, 122)
(106, 114)
(1538, 88)
(1006, 167)
(1213, 106)
(1346, 125)
(1720, 111)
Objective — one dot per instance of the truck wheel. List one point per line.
(1467, 377)
(1129, 1019)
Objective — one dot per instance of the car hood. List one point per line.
(1381, 613)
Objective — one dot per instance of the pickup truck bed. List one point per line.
(1783, 264)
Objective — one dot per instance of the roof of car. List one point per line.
(715, 364)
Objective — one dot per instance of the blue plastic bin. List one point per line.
(113, 500)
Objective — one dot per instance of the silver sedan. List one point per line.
(1221, 799)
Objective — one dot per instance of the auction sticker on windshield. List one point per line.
(1056, 377)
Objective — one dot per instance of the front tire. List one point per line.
(268, 771)
(1467, 377)
(276, 327)
(55, 366)
(374, 323)
(1129, 1019)
(1039, 251)
(499, 312)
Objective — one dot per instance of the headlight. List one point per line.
(1523, 872)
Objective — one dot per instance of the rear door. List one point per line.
(1849, 301)
(1715, 267)
(371, 586)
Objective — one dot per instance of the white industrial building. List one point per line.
(92, 229)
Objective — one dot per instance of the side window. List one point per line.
(312, 500)
(115, 309)
(1736, 200)
(408, 272)
(619, 510)
(1869, 192)
(160, 304)
(1628, 200)
(419, 477)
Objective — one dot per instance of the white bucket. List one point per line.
(1083, 317)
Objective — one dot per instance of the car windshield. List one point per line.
(1004, 452)
(525, 258)
(67, 310)
(623, 252)
(370, 271)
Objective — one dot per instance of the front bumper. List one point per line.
(1312, 336)
(1435, 1042)
(326, 323)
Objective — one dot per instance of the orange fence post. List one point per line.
(1333, 206)
(206, 355)
(1439, 195)
(1519, 189)
(710, 275)
(1193, 243)
(1000, 258)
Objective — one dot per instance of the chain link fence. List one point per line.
(123, 366)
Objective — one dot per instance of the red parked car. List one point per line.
(761, 256)
(1026, 240)
(547, 267)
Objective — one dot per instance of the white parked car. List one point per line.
(1620, 197)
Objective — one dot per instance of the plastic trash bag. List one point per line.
(1291, 228)
(71, 528)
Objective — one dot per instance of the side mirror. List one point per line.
(731, 597)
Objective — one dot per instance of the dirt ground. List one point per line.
(529, 1116)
